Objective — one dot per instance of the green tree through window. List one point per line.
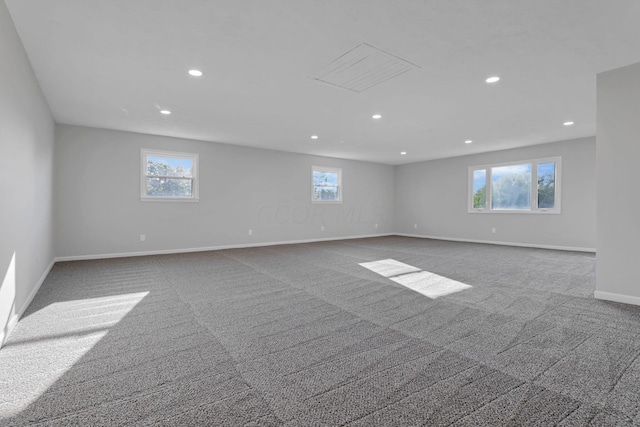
(531, 186)
(326, 185)
(169, 175)
(163, 180)
(480, 198)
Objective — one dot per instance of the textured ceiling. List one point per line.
(114, 64)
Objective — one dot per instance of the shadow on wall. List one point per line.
(7, 298)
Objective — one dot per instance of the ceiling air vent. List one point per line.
(363, 67)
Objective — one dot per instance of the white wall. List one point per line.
(618, 153)
(433, 195)
(98, 207)
(26, 154)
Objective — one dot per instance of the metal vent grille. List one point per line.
(363, 67)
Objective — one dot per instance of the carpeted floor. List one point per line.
(302, 335)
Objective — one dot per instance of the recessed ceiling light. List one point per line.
(376, 116)
(165, 112)
(195, 73)
(314, 136)
(567, 123)
(403, 152)
(493, 79)
(468, 141)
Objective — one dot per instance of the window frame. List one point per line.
(339, 185)
(534, 209)
(195, 194)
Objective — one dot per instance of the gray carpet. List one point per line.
(301, 335)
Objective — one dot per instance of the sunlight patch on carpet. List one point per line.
(389, 267)
(429, 284)
(74, 327)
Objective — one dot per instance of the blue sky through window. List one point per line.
(325, 178)
(546, 169)
(501, 171)
(172, 161)
(479, 179)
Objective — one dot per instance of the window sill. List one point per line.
(169, 199)
(327, 202)
(517, 212)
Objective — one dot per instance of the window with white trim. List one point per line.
(530, 186)
(168, 176)
(326, 184)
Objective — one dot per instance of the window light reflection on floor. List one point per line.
(429, 284)
(79, 326)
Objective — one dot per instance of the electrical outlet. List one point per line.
(250, 232)
(143, 237)
(493, 230)
(415, 225)
(322, 228)
(376, 226)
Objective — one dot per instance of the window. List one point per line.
(531, 186)
(326, 184)
(168, 176)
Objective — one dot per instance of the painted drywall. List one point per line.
(433, 195)
(99, 211)
(26, 150)
(618, 205)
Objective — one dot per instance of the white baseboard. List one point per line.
(293, 242)
(13, 319)
(609, 296)
(212, 248)
(493, 242)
